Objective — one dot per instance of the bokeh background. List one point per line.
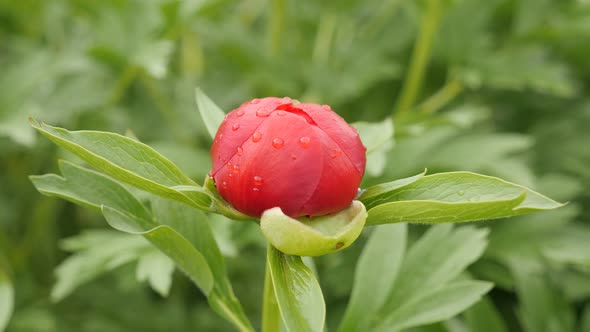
(499, 87)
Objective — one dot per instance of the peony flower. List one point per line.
(302, 158)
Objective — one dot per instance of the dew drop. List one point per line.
(258, 180)
(240, 151)
(293, 157)
(262, 112)
(305, 142)
(335, 153)
(281, 113)
(286, 100)
(254, 101)
(235, 126)
(461, 193)
(220, 137)
(224, 184)
(277, 143)
(235, 169)
(239, 113)
(327, 107)
(257, 136)
(255, 189)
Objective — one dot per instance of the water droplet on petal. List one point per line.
(327, 107)
(262, 112)
(240, 151)
(235, 126)
(258, 180)
(235, 169)
(224, 184)
(281, 113)
(277, 143)
(254, 101)
(305, 142)
(286, 100)
(255, 189)
(293, 157)
(257, 136)
(239, 113)
(335, 153)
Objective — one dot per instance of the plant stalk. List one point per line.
(446, 94)
(271, 317)
(276, 25)
(420, 57)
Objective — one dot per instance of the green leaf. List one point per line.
(193, 225)
(585, 323)
(195, 162)
(376, 195)
(462, 149)
(154, 57)
(569, 246)
(450, 197)
(542, 305)
(298, 293)
(484, 317)
(377, 137)
(129, 161)
(211, 114)
(125, 213)
(173, 244)
(426, 278)
(518, 68)
(95, 253)
(88, 188)
(6, 298)
(179, 231)
(542, 232)
(157, 269)
(436, 305)
(377, 269)
(446, 253)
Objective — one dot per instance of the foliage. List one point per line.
(504, 92)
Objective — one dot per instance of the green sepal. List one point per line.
(314, 236)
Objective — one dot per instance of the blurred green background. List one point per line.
(499, 87)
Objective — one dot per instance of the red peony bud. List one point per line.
(303, 158)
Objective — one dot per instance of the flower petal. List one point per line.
(276, 170)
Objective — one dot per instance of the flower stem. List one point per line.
(276, 26)
(420, 57)
(445, 95)
(271, 317)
